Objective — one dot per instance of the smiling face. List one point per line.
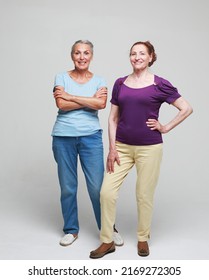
(82, 55)
(140, 57)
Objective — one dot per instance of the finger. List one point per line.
(110, 166)
(57, 93)
(59, 87)
(150, 124)
(102, 92)
(118, 160)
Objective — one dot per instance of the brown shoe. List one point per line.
(143, 248)
(102, 250)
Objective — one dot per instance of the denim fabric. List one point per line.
(67, 150)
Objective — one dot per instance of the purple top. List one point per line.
(136, 106)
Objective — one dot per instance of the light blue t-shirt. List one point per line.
(79, 122)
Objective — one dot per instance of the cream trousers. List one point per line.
(147, 160)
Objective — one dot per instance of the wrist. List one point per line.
(112, 149)
(165, 129)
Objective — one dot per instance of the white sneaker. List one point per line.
(68, 239)
(117, 239)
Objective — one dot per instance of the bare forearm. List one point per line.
(66, 105)
(112, 134)
(90, 102)
(63, 100)
(112, 127)
(184, 111)
(180, 117)
(67, 101)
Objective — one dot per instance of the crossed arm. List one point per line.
(67, 102)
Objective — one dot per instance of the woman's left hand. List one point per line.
(154, 124)
(101, 92)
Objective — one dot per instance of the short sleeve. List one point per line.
(101, 82)
(59, 80)
(116, 90)
(168, 92)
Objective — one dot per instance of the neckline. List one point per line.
(153, 84)
(80, 84)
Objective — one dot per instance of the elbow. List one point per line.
(102, 105)
(189, 110)
(62, 108)
(60, 104)
(186, 112)
(113, 122)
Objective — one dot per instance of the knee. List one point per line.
(142, 198)
(107, 196)
(68, 192)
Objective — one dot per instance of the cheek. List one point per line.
(131, 60)
(74, 58)
(89, 58)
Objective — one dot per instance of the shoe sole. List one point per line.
(143, 254)
(119, 245)
(102, 255)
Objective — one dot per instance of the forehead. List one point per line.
(139, 48)
(82, 47)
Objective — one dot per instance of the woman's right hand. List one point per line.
(111, 159)
(60, 93)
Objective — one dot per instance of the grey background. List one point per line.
(36, 37)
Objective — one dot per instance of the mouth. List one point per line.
(138, 63)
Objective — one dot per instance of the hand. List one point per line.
(154, 124)
(101, 92)
(60, 93)
(112, 157)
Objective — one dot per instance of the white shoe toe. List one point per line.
(67, 239)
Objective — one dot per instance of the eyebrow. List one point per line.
(136, 52)
(82, 51)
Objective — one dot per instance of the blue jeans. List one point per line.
(90, 151)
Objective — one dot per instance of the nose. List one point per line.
(81, 56)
